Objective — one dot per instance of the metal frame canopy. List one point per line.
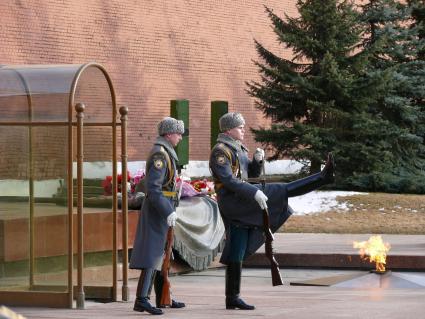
(52, 118)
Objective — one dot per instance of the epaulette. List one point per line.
(169, 165)
(227, 151)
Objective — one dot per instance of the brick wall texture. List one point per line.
(154, 51)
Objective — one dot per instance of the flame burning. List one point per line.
(374, 249)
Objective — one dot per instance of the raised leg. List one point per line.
(312, 182)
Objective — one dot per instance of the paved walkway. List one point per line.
(203, 291)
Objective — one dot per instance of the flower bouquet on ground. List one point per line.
(203, 186)
(132, 182)
(107, 184)
(135, 196)
(137, 181)
(196, 187)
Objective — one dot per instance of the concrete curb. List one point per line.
(348, 261)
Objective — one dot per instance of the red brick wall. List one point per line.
(155, 51)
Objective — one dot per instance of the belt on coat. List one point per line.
(169, 194)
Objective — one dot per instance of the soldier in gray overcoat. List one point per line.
(241, 203)
(157, 214)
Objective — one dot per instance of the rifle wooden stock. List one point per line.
(274, 266)
(166, 287)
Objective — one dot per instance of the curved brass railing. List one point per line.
(79, 124)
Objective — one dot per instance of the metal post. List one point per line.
(70, 198)
(114, 207)
(79, 107)
(124, 204)
(31, 182)
(31, 190)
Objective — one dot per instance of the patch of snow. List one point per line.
(319, 202)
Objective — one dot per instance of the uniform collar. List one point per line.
(164, 142)
(228, 140)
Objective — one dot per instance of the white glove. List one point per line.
(171, 219)
(259, 155)
(261, 199)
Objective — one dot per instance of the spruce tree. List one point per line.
(328, 96)
(395, 45)
(417, 8)
(416, 67)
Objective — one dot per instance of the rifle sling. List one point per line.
(235, 166)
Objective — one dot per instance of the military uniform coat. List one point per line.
(235, 196)
(152, 226)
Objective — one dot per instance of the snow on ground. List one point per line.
(319, 201)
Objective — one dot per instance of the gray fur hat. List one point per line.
(230, 120)
(170, 125)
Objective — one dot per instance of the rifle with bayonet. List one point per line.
(268, 235)
(165, 299)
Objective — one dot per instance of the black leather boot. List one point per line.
(312, 182)
(158, 282)
(328, 172)
(143, 292)
(233, 287)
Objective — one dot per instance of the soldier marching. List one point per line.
(241, 203)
